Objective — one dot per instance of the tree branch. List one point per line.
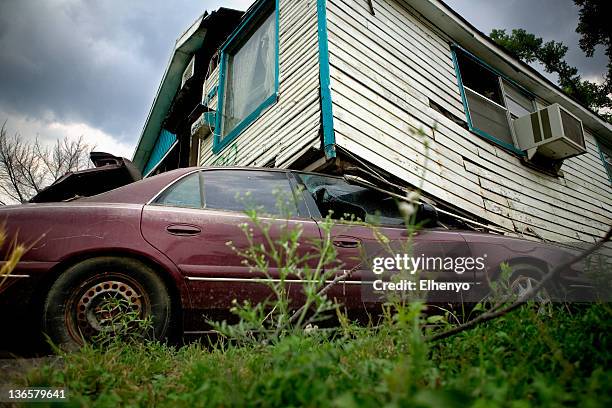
(26, 167)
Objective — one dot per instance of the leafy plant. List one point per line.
(15, 252)
(522, 359)
(121, 323)
(274, 253)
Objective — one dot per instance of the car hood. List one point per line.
(513, 241)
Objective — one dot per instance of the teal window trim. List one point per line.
(214, 91)
(466, 107)
(603, 159)
(243, 30)
(457, 47)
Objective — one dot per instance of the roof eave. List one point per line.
(189, 42)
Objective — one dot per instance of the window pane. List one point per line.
(184, 193)
(479, 79)
(240, 190)
(516, 109)
(489, 117)
(519, 104)
(351, 201)
(606, 153)
(250, 74)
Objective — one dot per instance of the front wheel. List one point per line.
(104, 298)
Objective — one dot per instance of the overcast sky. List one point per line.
(549, 19)
(92, 67)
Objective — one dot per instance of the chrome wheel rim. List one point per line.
(523, 284)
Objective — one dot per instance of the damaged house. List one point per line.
(404, 93)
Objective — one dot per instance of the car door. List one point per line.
(382, 235)
(193, 221)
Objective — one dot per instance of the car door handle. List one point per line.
(177, 229)
(346, 243)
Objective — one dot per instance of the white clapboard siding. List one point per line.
(285, 129)
(354, 22)
(366, 102)
(385, 68)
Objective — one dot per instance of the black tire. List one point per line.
(72, 313)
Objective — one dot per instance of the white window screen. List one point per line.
(250, 76)
(485, 99)
(488, 116)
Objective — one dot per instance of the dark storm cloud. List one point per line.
(550, 19)
(97, 62)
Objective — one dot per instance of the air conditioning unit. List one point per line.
(204, 125)
(552, 132)
(189, 71)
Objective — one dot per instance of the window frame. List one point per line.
(607, 167)
(302, 211)
(313, 207)
(250, 24)
(303, 208)
(455, 49)
(162, 193)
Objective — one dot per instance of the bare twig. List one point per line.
(525, 297)
(339, 278)
(28, 167)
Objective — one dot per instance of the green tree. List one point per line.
(595, 29)
(529, 48)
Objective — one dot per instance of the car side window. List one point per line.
(343, 200)
(184, 193)
(268, 192)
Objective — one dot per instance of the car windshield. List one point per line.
(348, 201)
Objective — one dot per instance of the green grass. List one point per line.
(519, 360)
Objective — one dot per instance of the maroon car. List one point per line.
(160, 244)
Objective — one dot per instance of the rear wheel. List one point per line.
(105, 297)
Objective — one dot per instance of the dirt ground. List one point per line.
(13, 368)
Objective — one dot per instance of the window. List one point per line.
(519, 104)
(349, 201)
(248, 75)
(606, 157)
(491, 100)
(184, 193)
(240, 190)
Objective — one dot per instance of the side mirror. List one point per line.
(427, 215)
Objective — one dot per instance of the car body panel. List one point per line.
(214, 272)
(500, 249)
(58, 234)
(207, 274)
